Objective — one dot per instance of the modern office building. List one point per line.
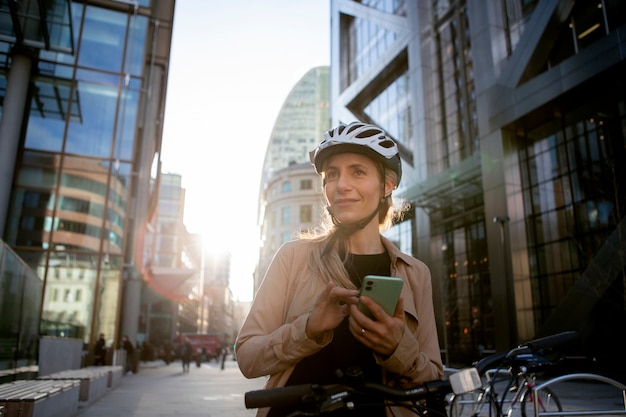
(301, 123)
(290, 191)
(171, 271)
(82, 93)
(511, 122)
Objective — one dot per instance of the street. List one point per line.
(164, 390)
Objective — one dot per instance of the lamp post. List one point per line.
(201, 322)
(506, 266)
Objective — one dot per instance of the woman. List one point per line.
(304, 326)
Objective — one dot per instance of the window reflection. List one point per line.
(107, 298)
(137, 41)
(102, 42)
(93, 135)
(124, 141)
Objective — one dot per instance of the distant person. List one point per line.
(130, 355)
(100, 351)
(223, 354)
(186, 355)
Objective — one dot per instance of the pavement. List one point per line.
(165, 390)
(208, 391)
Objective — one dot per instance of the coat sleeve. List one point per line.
(267, 342)
(417, 359)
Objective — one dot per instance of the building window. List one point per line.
(285, 215)
(306, 184)
(571, 183)
(306, 213)
(286, 187)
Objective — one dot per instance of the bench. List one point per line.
(22, 372)
(94, 381)
(34, 398)
(114, 372)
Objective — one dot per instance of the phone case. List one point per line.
(383, 290)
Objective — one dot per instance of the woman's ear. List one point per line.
(390, 185)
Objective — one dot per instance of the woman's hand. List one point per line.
(330, 308)
(383, 334)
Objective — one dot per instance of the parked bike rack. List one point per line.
(579, 377)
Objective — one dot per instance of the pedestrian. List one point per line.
(130, 355)
(223, 354)
(186, 354)
(304, 326)
(100, 351)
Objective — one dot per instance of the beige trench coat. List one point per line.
(272, 339)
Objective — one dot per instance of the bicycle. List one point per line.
(317, 400)
(513, 372)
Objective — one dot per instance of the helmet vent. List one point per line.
(387, 143)
(366, 134)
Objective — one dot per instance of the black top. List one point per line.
(344, 352)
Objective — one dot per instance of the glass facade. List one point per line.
(301, 123)
(71, 212)
(574, 196)
(510, 148)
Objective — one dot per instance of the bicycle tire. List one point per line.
(549, 402)
(473, 404)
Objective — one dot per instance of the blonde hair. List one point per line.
(332, 266)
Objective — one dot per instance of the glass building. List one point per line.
(511, 121)
(301, 123)
(82, 88)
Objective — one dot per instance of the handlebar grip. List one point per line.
(426, 390)
(438, 387)
(293, 395)
(489, 362)
(552, 340)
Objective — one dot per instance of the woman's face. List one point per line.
(352, 184)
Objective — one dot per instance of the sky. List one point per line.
(232, 65)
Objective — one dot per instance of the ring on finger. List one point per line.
(362, 331)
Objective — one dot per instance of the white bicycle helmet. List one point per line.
(361, 138)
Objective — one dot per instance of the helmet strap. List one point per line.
(343, 230)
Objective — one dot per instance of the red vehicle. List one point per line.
(205, 347)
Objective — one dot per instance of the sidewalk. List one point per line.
(164, 390)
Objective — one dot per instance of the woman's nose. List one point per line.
(343, 182)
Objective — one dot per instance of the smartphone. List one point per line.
(383, 290)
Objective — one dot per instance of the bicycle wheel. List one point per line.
(547, 399)
(473, 404)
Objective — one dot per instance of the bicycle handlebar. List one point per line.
(284, 396)
(299, 395)
(553, 341)
(532, 346)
